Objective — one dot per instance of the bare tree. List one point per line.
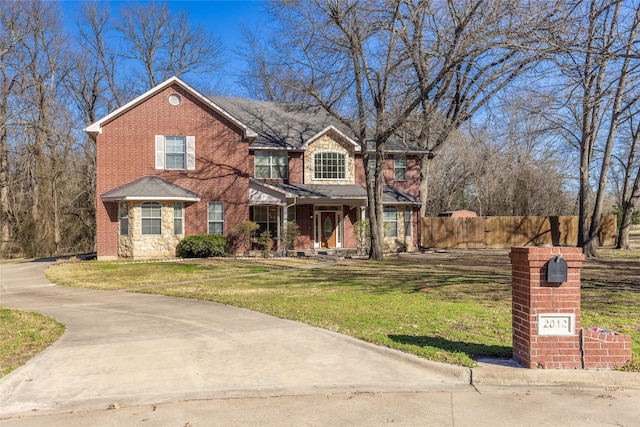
(629, 185)
(12, 32)
(465, 53)
(601, 65)
(43, 67)
(376, 64)
(97, 60)
(344, 55)
(166, 44)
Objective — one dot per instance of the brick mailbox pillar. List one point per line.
(546, 314)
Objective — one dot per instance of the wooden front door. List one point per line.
(328, 224)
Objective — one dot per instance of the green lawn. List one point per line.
(448, 307)
(24, 335)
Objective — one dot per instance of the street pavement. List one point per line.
(131, 359)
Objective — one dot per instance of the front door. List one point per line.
(328, 224)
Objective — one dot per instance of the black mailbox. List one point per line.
(557, 270)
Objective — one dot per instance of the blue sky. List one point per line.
(224, 18)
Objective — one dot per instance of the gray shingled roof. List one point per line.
(150, 188)
(319, 191)
(391, 195)
(279, 126)
(289, 126)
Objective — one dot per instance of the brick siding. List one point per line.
(126, 152)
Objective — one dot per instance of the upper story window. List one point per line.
(175, 152)
(329, 165)
(270, 164)
(400, 167)
(151, 218)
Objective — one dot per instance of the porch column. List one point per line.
(285, 218)
(363, 217)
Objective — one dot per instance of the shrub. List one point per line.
(243, 234)
(202, 246)
(291, 234)
(362, 233)
(265, 242)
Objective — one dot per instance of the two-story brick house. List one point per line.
(173, 163)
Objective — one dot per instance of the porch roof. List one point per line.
(150, 188)
(350, 194)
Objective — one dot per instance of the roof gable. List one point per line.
(96, 128)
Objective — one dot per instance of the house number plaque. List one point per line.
(556, 324)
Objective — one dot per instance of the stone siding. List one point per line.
(137, 245)
(327, 143)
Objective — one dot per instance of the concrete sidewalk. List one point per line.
(169, 361)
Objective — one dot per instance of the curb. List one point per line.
(444, 371)
(506, 372)
(491, 373)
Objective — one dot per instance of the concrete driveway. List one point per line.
(131, 349)
(169, 361)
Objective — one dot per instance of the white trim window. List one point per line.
(178, 219)
(175, 152)
(215, 215)
(329, 165)
(390, 220)
(408, 220)
(400, 167)
(123, 215)
(267, 218)
(151, 218)
(270, 164)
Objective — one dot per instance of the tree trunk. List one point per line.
(425, 166)
(628, 207)
(376, 210)
(4, 188)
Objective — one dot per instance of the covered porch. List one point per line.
(326, 215)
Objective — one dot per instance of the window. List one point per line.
(408, 216)
(216, 217)
(291, 213)
(151, 217)
(400, 167)
(175, 152)
(177, 219)
(329, 166)
(270, 164)
(123, 214)
(390, 219)
(267, 218)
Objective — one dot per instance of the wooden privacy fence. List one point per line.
(508, 231)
